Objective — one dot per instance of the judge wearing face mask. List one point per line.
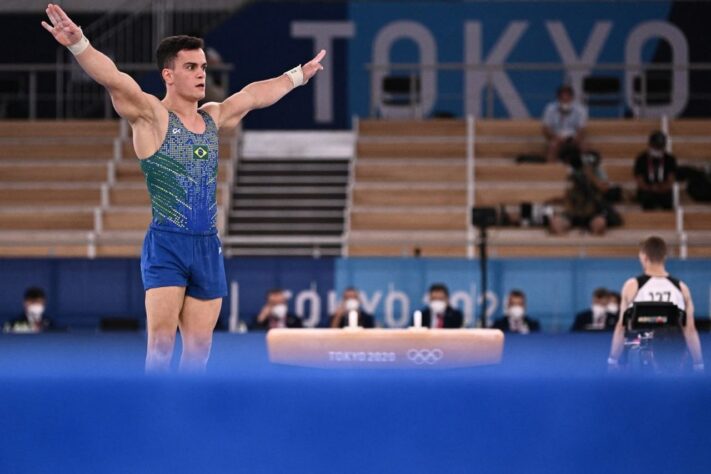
(564, 122)
(33, 319)
(275, 313)
(598, 317)
(351, 302)
(515, 319)
(655, 173)
(438, 314)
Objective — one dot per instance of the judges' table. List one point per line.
(385, 348)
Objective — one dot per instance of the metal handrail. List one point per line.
(490, 69)
(32, 70)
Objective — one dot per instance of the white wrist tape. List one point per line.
(79, 46)
(296, 75)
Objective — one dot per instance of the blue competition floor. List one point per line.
(80, 403)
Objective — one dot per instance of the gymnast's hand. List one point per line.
(64, 30)
(312, 67)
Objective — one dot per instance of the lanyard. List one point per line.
(658, 165)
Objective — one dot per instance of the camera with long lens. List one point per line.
(579, 159)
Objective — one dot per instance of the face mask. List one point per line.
(352, 304)
(565, 107)
(516, 312)
(613, 308)
(34, 312)
(598, 309)
(279, 311)
(438, 306)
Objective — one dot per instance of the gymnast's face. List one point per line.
(186, 76)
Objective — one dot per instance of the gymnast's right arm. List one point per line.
(629, 290)
(129, 100)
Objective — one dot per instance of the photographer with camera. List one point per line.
(656, 285)
(585, 204)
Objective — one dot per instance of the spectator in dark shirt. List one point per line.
(351, 302)
(33, 319)
(655, 173)
(515, 319)
(275, 313)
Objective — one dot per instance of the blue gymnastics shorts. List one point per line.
(174, 258)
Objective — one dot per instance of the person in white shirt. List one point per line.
(564, 123)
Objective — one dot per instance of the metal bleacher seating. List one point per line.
(75, 188)
(290, 195)
(410, 188)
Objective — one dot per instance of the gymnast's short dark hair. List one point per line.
(169, 48)
(654, 248)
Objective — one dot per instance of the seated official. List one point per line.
(33, 319)
(515, 319)
(598, 317)
(438, 314)
(351, 302)
(275, 313)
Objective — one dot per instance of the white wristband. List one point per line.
(79, 46)
(611, 361)
(296, 75)
(699, 367)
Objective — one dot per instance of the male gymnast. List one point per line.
(656, 284)
(176, 142)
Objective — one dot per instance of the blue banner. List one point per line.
(502, 46)
(497, 34)
(80, 292)
(556, 289)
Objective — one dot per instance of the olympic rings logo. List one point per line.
(425, 356)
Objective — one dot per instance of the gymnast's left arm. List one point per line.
(690, 334)
(261, 94)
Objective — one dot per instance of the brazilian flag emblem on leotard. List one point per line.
(200, 152)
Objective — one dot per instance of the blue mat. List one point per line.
(79, 403)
